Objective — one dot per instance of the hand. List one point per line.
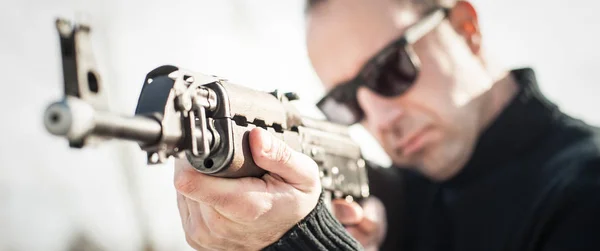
(367, 224)
(247, 213)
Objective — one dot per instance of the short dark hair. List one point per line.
(422, 5)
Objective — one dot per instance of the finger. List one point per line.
(375, 217)
(215, 191)
(367, 227)
(214, 230)
(224, 228)
(275, 156)
(197, 229)
(196, 233)
(347, 213)
(225, 195)
(190, 241)
(357, 234)
(184, 212)
(373, 209)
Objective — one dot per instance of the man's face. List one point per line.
(434, 125)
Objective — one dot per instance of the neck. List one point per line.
(499, 96)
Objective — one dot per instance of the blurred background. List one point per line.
(53, 198)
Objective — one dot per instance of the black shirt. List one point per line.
(532, 183)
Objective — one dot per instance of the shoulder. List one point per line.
(574, 222)
(572, 145)
(572, 202)
(567, 163)
(575, 161)
(567, 214)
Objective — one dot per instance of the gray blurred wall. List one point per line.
(53, 198)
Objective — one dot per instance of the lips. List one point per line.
(413, 142)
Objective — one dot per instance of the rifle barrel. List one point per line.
(77, 120)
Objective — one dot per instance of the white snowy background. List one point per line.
(53, 198)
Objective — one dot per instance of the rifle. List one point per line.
(203, 118)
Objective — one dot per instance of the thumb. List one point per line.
(348, 213)
(275, 156)
(375, 218)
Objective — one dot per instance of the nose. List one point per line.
(381, 113)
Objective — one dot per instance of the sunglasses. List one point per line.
(389, 73)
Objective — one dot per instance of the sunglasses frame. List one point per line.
(345, 93)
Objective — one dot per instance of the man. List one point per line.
(484, 161)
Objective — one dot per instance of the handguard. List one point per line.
(203, 118)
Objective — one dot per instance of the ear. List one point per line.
(463, 18)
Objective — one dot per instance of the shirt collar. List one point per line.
(517, 128)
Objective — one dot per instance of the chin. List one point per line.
(405, 162)
(444, 165)
(438, 175)
(432, 163)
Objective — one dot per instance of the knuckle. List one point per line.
(310, 171)
(191, 188)
(189, 240)
(203, 239)
(193, 243)
(314, 173)
(196, 236)
(282, 154)
(193, 230)
(184, 183)
(218, 201)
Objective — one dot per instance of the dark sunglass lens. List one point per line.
(396, 75)
(346, 112)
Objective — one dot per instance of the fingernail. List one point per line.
(267, 142)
